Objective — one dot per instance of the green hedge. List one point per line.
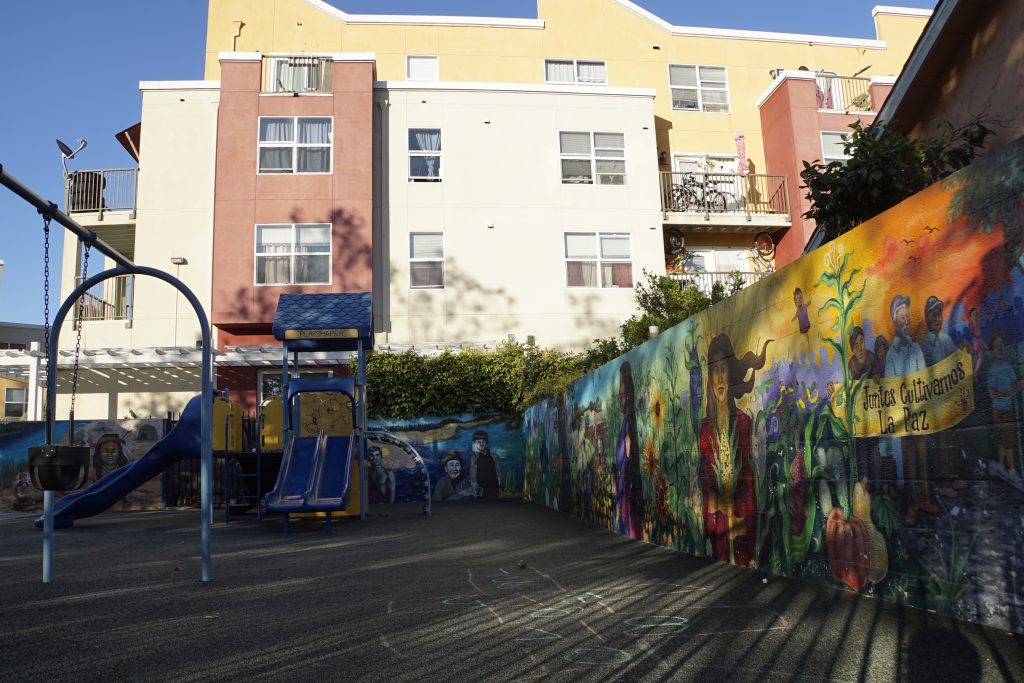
(505, 379)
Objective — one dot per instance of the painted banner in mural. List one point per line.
(468, 457)
(113, 444)
(930, 400)
(731, 436)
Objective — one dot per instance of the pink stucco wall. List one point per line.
(244, 198)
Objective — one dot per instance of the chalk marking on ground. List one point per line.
(589, 628)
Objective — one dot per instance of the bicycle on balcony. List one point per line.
(699, 193)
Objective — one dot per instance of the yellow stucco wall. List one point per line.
(582, 29)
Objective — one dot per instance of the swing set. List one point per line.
(56, 467)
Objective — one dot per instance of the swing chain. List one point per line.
(46, 289)
(78, 339)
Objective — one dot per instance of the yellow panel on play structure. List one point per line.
(227, 425)
(272, 427)
(329, 412)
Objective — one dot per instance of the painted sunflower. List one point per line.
(661, 503)
(659, 406)
(650, 458)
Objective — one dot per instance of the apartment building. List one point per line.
(483, 177)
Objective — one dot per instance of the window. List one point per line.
(833, 148)
(293, 254)
(706, 163)
(299, 74)
(270, 382)
(575, 72)
(600, 259)
(586, 155)
(698, 88)
(421, 67)
(15, 403)
(425, 154)
(295, 144)
(426, 260)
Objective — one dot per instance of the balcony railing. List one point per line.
(297, 74)
(842, 93)
(111, 299)
(705, 280)
(109, 189)
(710, 193)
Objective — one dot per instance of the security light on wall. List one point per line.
(179, 260)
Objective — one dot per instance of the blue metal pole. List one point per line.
(361, 364)
(205, 414)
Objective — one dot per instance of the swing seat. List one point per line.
(58, 468)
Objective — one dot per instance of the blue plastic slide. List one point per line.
(314, 476)
(181, 442)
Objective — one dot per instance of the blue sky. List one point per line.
(77, 68)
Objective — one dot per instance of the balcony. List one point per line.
(101, 190)
(111, 299)
(706, 280)
(843, 94)
(297, 75)
(725, 202)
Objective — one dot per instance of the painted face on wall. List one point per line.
(479, 445)
(109, 452)
(901, 321)
(720, 379)
(453, 468)
(933, 317)
(798, 298)
(998, 348)
(860, 349)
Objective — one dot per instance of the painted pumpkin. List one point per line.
(879, 552)
(799, 487)
(848, 547)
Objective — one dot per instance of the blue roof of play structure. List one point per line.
(317, 321)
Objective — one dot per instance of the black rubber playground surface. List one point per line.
(478, 592)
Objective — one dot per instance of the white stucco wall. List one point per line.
(501, 168)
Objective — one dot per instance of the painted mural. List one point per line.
(853, 419)
(113, 444)
(468, 457)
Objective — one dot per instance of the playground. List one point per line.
(486, 591)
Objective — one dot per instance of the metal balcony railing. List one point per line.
(109, 189)
(705, 280)
(111, 299)
(297, 74)
(710, 193)
(842, 93)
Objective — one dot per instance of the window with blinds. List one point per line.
(598, 259)
(575, 72)
(586, 156)
(698, 88)
(425, 154)
(293, 254)
(15, 403)
(833, 148)
(299, 74)
(295, 144)
(421, 68)
(426, 260)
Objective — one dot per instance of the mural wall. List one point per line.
(853, 419)
(468, 457)
(113, 443)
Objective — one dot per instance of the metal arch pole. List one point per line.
(205, 411)
(361, 364)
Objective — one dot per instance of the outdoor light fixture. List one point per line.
(66, 153)
(179, 260)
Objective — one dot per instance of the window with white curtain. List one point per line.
(15, 403)
(598, 259)
(833, 148)
(698, 88)
(425, 154)
(575, 72)
(426, 260)
(299, 74)
(293, 254)
(421, 68)
(586, 155)
(295, 144)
